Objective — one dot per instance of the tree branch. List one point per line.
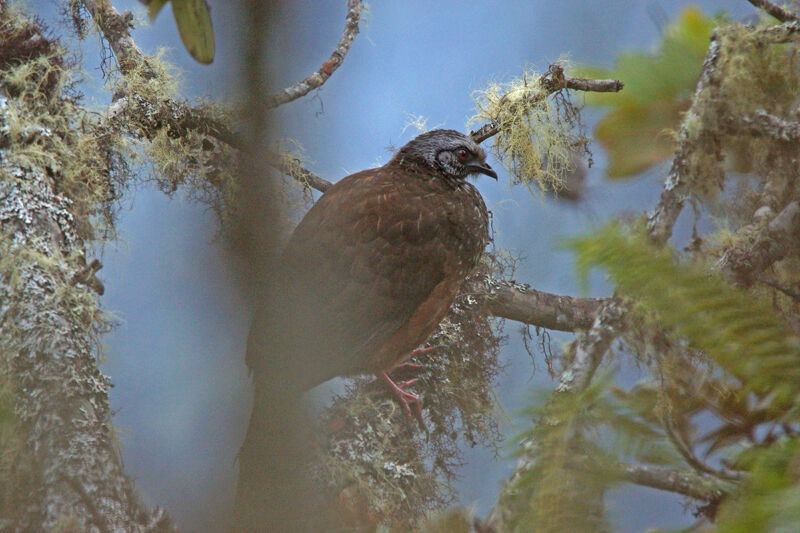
(688, 483)
(517, 301)
(291, 166)
(324, 72)
(66, 471)
(774, 10)
(742, 264)
(114, 27)
(763, 124)
(708, 110)
(661, 220)
(553, 81)
(590, 348)
(780, 33)
(511, 300)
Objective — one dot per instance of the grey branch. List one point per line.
(772, 242)
(324, 72)
(776, 11)
(661, 221)
(781, 33)
(177, 116)
(114, 27)
(590, 348)
(688, 483)
(709, 110)
(291, 166)
(763, 124)
(553, 81)
(517, 301)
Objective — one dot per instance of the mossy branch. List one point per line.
(737, 72)
(553, 81)
(60, 174)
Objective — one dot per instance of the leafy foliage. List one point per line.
(658, 86)
(744, 335)
(561, 488)
(193, 19)
(756, 398)
(770, 499)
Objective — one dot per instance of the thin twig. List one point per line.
(324, 72)
(774, 10)
(685, 450)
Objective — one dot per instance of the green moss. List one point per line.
(535, 138)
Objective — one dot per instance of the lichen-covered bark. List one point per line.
(64, 472)
(68, 470)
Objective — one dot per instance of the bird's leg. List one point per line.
(405, 398)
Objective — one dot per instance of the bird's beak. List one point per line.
(482, 167)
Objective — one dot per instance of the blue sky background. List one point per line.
(176, 359)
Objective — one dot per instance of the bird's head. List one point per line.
(446, 151)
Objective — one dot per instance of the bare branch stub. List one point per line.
(325, 71)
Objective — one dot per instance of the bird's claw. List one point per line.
(405, 398)
(419, 351)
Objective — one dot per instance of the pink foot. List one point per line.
(408, 366)
(412, 367)
(420, 351)
(404, 398)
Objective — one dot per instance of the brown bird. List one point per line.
(372, 268)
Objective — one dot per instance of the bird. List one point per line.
(372, 268)
(364, 279)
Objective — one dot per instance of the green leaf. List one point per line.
(193, 19)
(154, 7)
(658, 86)
(770, 499)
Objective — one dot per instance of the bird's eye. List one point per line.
(462, 153)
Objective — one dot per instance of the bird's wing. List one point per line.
(356, 268)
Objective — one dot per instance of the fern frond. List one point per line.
(741, 333)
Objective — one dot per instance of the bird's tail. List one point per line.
(273, 491)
